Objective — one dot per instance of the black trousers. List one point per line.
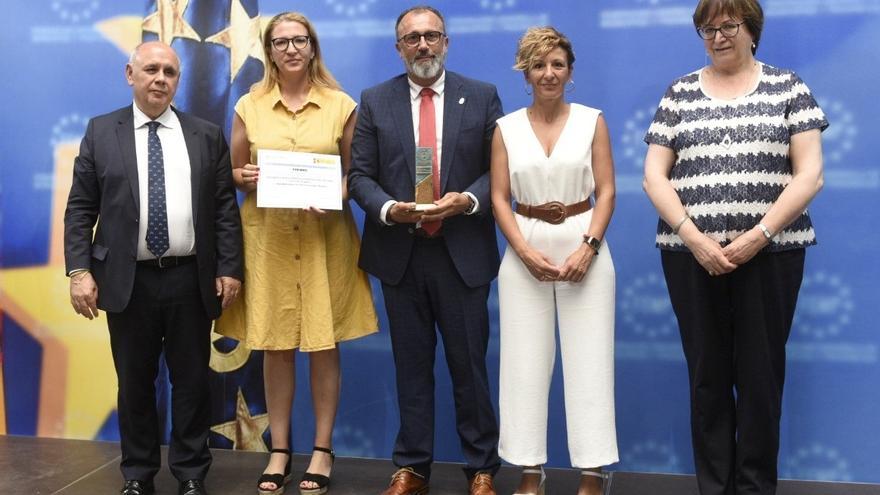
(733, 329)
(165, 313)
(432, 294)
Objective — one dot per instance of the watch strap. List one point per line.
(593, 242)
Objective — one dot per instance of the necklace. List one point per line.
(718, 75)
(729, 87)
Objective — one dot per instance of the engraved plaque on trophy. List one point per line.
(424, 184)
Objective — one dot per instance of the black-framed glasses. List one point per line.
(299, 42)
(413, 39)
(728, 30)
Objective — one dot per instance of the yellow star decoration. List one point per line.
(245, 431)
(123, 31)
(167, 21)
(242, 37)
(225, 362)
(77, 382)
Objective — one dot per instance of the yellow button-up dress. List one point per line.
(302, 286)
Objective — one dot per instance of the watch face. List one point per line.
(593, 243)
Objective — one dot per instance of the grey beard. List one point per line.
(427, 71)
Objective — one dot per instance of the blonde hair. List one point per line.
(319, 74)
(536, 43)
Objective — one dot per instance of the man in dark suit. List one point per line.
(435, 265)
(163, 261)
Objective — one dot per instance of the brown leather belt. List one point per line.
(553, 212)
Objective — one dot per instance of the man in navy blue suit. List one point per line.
(436, 264)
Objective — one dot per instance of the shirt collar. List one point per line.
(167, 119)
(439, 84)
(315, 96)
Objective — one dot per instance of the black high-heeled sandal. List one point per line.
(278, 479)
(322, 481)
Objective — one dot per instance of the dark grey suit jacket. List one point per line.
(105, 191)
(383, 169)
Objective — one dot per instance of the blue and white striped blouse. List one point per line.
(732, 156)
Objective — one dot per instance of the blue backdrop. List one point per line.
(64, 63)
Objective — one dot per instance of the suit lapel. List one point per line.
(194, 150)
(128, 151)
(454, 101)
(401, 109)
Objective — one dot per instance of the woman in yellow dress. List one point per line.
(302, 287)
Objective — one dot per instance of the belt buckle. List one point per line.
(556, 212)
(159, 262)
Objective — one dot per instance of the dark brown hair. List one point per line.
(749, 11)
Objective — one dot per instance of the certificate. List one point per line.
(290, 179)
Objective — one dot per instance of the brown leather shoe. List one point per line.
(481, 484)
(405, 481)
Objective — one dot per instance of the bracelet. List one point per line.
(764, 230)
(677, 226)
(78, 271)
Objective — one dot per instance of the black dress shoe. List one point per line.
(137, 487)
(192, 487)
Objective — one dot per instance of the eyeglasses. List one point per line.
(728, 30)
(412, 40)
(299, 42)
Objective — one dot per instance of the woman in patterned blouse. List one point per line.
(734, 158)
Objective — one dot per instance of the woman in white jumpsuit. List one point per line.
(550, 158)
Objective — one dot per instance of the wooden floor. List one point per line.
(75, 467)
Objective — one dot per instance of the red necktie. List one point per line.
(428, 137)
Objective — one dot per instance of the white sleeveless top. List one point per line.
(567, 174)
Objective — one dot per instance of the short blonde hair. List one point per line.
(319, 75)
(536, 43)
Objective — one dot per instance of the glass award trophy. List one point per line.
(424, 178)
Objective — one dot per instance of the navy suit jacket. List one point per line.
(105, 190)
(383, 169)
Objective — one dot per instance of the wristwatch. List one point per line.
(472, 204)
(592, 242)
(765, 231)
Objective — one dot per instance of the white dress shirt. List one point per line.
(415, 93)
(178, 184)
(416, 100)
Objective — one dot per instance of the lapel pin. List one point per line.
(461, 101)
